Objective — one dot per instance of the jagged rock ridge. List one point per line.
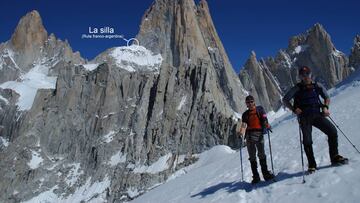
(313, 49)
(116, 124)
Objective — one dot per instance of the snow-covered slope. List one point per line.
(216, 177)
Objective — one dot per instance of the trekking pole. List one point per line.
(344, 134)
(302, 157)
(241, 162)
(271, 158)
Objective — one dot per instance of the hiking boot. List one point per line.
(311, 170)
(339, 160)
(268, 175)
(255, 179)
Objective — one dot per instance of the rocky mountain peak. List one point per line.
(253, 55)
(29, 33)
(317, 36)
(184, 34)
(259, 82)
(171, 29)
(204, 5)
(252, 62)
(354, 58)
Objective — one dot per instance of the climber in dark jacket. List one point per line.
(254, 125)
(312, 112)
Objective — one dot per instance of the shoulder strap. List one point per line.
(260, 112)
(263, 120)
(246, 116)
(317, 89)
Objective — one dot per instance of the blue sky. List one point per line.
(259, 25)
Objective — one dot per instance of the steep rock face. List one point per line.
(124, 123)
(184, 33)
(282, 69)
(354, 58)
(329, 65)
(29, 36)
(259, 81)
(29, 54)
(315, 49)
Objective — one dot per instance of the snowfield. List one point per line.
(216, 177)
(129, 57)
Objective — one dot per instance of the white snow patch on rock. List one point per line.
(91, 193)
(337, 53)
(300, 48)
(182, 102)
(28, 85)
(35, 161)
(90, 66)
(117, 158)
(4, 142)
(131, 57)
(74, 174)
(47, 196)
(109, 137)
(94, 192)
(160, 165)
(4, 99)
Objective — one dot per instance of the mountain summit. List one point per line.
(125, 121)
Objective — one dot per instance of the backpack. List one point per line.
(307, 99)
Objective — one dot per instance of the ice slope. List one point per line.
(216, 177)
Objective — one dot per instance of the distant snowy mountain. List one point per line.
(216, 177)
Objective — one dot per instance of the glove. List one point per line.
(241, 136)
(268, 128)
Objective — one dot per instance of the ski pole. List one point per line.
(344, 135)
(241, 162)
(302, 157)
(271, 158)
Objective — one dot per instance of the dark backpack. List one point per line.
(307, 98)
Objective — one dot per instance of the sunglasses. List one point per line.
(249, 102)
(305, 75)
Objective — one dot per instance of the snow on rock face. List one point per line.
(129, 57)
(300, 48)
(94, 192)
(337, 53)
(109, 137)
(28, 85)
(117, 158)
(4, 142)
(90, 66)
(182, 102)
(35, 161)
(160, 165)
(4, 99)
(47, 196)
(74, 174)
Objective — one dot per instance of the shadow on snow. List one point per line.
(234, 186)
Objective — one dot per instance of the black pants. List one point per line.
(323, 124)
(255, 140)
